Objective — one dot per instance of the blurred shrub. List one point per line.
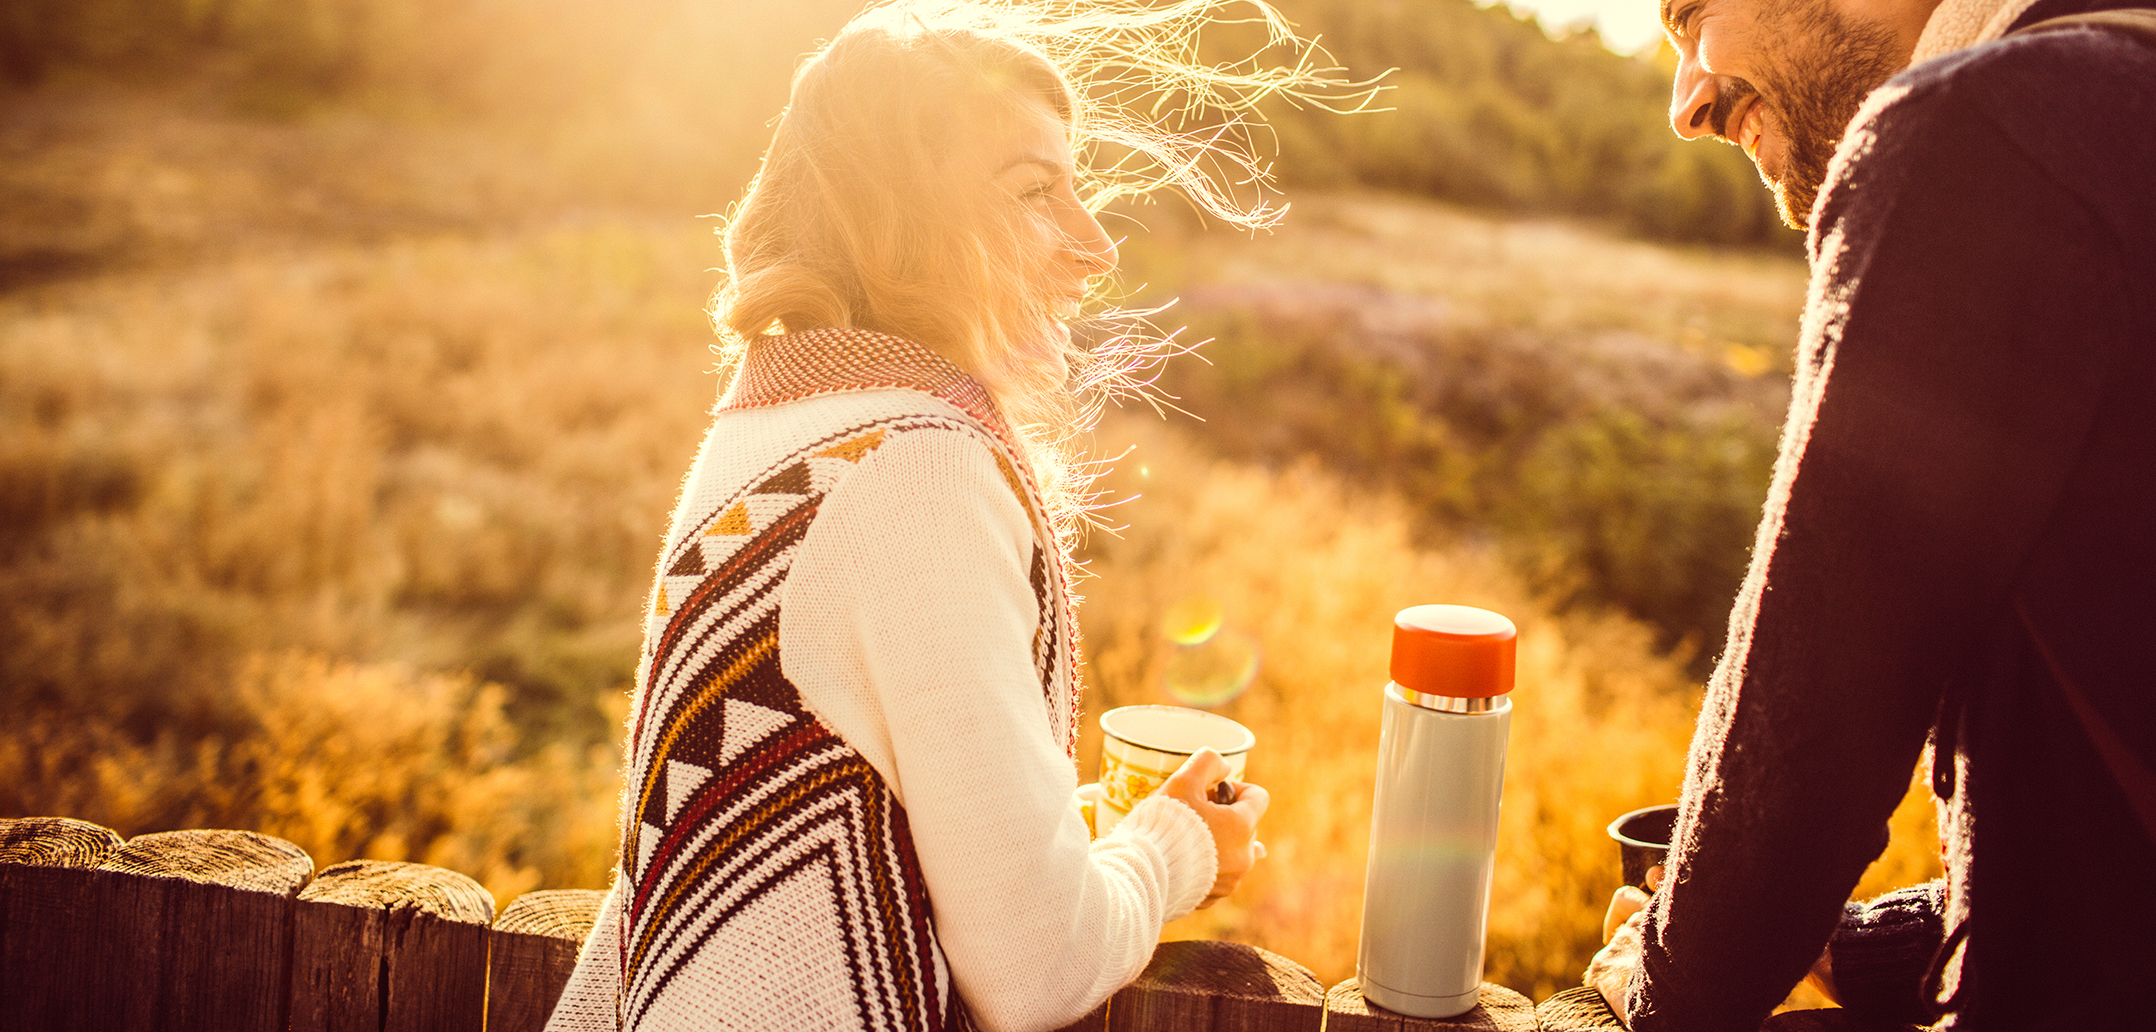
(333, 453)
(1658, 519)
(347, 761)
(1313, 568)
(212, 479)
(1603, 483)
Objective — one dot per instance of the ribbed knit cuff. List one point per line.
(1883, 948)
(1185, 846)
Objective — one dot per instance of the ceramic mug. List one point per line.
(1142, 745)
(1643, 841)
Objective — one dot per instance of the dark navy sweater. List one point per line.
(1967, 484)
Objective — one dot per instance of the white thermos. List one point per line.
(1433, 820)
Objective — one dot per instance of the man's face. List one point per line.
(1780, 78)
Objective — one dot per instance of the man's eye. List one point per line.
(1683, 21)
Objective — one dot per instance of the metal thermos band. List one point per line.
(1446, 703)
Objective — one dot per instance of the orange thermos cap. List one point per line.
(1455, 651)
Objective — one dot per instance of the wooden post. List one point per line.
(1501, 1010)
(1833, 1019)
(1578, 1009)
(47, 955)
(178, 930)
(1097, 1021)
(55, 842)
(1582, 1009)
(533, 952)
(212, 946)
(1197, 986)
(381, 946)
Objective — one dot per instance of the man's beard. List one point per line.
(1814, 92)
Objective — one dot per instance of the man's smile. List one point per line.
(1750, 127)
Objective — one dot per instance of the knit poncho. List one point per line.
(849, 757)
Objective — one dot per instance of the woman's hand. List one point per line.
(1234, 825)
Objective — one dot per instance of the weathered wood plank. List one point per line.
(245, 860)
(1094, 1022)
(49, 945)
(533, 951)
(1832, 1019)
(1501, 1010)
(212, 943)
(178, 930)
(1195, 986)
(55, 842)
(383, 946)
(1578, 1009)
(1582, 1009)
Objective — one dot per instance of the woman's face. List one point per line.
(1026, 157)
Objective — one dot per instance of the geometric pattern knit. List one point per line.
(867, 819)
(802, 365)
(745, 812)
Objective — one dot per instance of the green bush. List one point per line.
(1487, 109)
(1645, 503)
(1611, 508)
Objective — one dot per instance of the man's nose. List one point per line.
(1691, 101)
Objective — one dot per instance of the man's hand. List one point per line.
(1611, 970)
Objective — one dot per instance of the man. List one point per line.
(1960, 540)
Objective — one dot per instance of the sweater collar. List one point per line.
(1960, 24)
(792, 366)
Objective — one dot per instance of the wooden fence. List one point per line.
(233, 931)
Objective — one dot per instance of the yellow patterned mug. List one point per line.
(1142, 745)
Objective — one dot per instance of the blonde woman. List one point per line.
(851, 754)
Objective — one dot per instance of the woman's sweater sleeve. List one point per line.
(908, 625)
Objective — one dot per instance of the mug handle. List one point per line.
(1087, 799)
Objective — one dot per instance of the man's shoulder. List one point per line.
(2078, 105)
(2056, 77)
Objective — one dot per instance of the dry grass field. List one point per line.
(342, 533)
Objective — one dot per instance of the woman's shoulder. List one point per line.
(745, 445)
(887, 466)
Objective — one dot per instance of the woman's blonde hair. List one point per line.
(853, 221)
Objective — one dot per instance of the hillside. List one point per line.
(1486, 109)
(664, 105)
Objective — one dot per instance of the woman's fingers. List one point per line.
(1202, 782)
(1196, 774)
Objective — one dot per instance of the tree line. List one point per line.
(1482, 106)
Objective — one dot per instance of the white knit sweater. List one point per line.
(916, 624)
